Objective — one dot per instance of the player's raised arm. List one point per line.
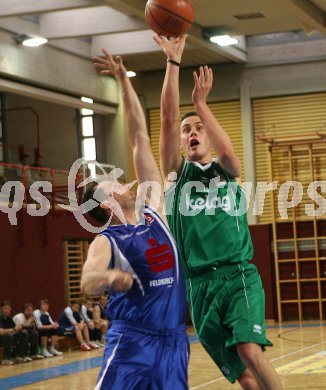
(96, 276)
(170, 114)
(217, 136)
(145, 166)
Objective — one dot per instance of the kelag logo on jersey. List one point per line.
(159, 257)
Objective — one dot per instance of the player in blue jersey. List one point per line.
(147, 346)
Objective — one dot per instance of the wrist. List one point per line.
(173, 62)
(200, 105)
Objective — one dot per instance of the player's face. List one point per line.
(75, 307)
(123, 195)
(194, 140)
(103, 301)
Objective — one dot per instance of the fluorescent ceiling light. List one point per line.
(87, 100)
(224, 40)
(33, 41)
(131, 73)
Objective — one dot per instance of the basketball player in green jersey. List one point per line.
(225, 294)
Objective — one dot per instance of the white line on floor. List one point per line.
(272, 360)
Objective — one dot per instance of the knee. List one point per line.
(247, 381)
(250, 354)
(33, 335)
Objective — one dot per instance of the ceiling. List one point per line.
(83, 27)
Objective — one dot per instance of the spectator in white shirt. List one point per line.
(47, 328)
(26, 321)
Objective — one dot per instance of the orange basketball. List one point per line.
(169, 17)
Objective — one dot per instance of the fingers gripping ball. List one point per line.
(169, 17)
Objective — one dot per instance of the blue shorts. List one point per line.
(139, 358)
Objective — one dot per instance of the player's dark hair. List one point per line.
(44, 301)
(27, 305)
(97, 213)
(188, 114)
(6, 303)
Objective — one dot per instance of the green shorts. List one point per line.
(227, 307)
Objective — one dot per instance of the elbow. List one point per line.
(83, 287)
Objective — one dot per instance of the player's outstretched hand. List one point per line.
(120, 281)
(203, 85)
(172, 47)
(109, 65)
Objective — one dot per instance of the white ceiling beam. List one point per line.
(125, 43)
(19, 26)
(27, 7)
(312, 17)
(16, 25)
(87, 22)
(53, 97)
(136, 8)
(73, 46)
(231, 53)
(129, 7)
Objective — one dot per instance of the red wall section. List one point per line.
(32, 264)
(261, 238)
(31, 258)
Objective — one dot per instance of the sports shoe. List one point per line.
(46, 353)
(55, 352)
(7, 362)
(37, 356)
(85, 347)
(93, 345)
(27, 359)
(101, 345)
(20, 359)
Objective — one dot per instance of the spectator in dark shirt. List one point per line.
(40, 174)
(47, 328)
(23, 172)
(11, 335)
(99, 315)
(71, 321)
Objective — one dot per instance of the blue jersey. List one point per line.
(148, 251)
(69, 318)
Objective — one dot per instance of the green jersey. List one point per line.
(206, 211)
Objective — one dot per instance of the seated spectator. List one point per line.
(70, 320)
(26, 321)
(100, 307)
(99, 315)
(97, 328)
(11, 335)
(47, 328)
(40, 175)
(24, 162)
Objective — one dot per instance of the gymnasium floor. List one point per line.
(299, 354)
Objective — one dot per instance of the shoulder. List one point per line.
(100, 244)
(177, 178)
